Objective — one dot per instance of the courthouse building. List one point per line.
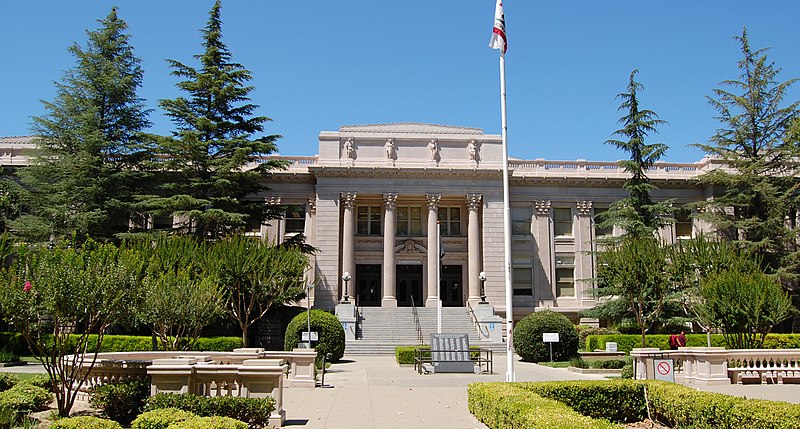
(372, 198)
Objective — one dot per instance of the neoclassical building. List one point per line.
(372, 198)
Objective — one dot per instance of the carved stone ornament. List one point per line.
(408, 246)
(272, 201)
(584, 207)
(542, 207)
(433, 148)
(472, 150)
(391, 149)
(348, 199)
(433, 200)
(390, 200)
(349, 148)
(474, 202)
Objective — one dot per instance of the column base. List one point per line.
(389, 301)
(432, 302)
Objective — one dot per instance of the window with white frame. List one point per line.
(368, 220)
(409, 221)
(565, 275)
(450, 221)
(562, 222)
(521, 220)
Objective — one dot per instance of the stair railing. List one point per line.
(481, 329)
(417, 325)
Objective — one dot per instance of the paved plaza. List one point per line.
(375, 392)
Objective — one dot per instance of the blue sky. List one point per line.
(321, 64)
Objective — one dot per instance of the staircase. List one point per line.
(381, 329)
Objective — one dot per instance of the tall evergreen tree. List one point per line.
(81, 177)
(637, 214)
(207, 167)
(757, 199)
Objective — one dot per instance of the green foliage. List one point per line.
(160, 418)
(256, 276)
(39, 380)
(625, 343)
(255, 411)
(8, 381)
(528, 337)
(584, 331)
(404, 355)
(744, 305)
(616, 400)
(121, 402)
(14, 342)
(132, 343)
(608, 363)
(331, 333)
(756, 143)
(7, 356)
(637, 214)
(84, 422)
(25, 398)
(627, 371)
(507, 405)
(214, 422)
(8, 416)
(202, 175)
(82, 176)
(218, 344)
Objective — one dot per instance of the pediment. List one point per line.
(409, 128)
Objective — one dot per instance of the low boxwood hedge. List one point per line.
(15, 343)
(85, 422)
(586, 404)
(213, 422)
(25, 398)
(7, 381)
(160, 418)
(255, 411)
(625, 343)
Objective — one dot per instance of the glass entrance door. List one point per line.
(368, 285)
(451, 288)
(409, 285)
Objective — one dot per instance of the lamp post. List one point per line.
(482, 278)
(308, 288)
(346, 278)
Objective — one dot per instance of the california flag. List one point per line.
(499, 31)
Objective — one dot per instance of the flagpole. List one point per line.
(506, 226)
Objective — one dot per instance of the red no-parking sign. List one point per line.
(664, 370)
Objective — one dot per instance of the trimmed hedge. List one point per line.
(85, 422)
(160, 418)
(584, 403)
(625, 343)
(121, 401)
(214, 422)
(25, 398)
(405, 354)
(7, 381)
(255, 411)
(15, 343)
(331, 333)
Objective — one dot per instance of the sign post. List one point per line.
(550, 337)
(664, 370)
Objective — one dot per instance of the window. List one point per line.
(683, 225)
(450, 221)
(565, 275)
(520, 220)
(598, 219)
(522, 277)
(562, 222)
(368, 220)
(409, 221)
(295, 217)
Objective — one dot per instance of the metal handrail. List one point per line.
(416, 321)
(478, 327)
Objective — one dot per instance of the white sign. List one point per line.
(664, 370)
(550, 337)
(314, 336)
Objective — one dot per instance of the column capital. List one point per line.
(272, 200)
(390, 200)
(542, 207)
(584, 207)
(312, 205)
(348, 199)
(433, 200)
(474, 202)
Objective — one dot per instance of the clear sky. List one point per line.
(319, 64)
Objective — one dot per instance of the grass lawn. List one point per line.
(555, 364)
(26, 376)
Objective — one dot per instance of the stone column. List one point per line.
(474, 203)
(348, 240)
(433, 249)
(389, 267)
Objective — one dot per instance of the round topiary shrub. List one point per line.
(331, 333)
(528, 337)
(213, 422)
(85, 422)
(161, 418)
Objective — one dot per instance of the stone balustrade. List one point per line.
(716, 365)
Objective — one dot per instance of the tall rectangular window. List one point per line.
(683, 225)
(450, 221)
(520, 220)
(565, 275)
(368, 220)
(409, 221)
(295, 218)
(599, 218)
(523, 278)
(562, 222)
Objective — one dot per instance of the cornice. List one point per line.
(405, 172)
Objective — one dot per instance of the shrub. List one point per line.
(218, 344)
(8, 416)
(85, 422)
(15, 343)
(40, 380)
(25, 398)
(121, 402)
(584, 331)
(255, 411)
(578, 362)
(215, 422)
(331, 333)
(405, 354)
(607, 364)
(7, 356)
(7, 381)
(160, 418)
(627, 371)
(528, 337)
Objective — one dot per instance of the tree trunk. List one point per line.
(245, 340)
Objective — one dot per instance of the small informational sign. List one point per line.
(664, 370)
(314, 336)
(550, 337)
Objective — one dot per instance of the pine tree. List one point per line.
(81, 177)
(757, 202)
(637, 214)
(207, 161)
